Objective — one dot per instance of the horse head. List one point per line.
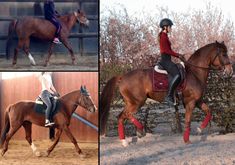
(81, 17)
(86, 100)
(220, 59)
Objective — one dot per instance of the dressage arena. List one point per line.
(17, 86)
(83, 40)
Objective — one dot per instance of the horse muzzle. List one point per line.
(92, 109)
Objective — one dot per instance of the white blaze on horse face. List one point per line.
(31, 59)
(93, 103)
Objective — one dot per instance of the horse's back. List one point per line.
(37, 27)
(137, 81)
(22, 105)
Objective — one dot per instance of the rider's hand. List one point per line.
(181, 57)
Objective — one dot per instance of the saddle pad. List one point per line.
(40, 106)
(160, 82)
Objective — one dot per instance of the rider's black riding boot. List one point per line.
(172, 86)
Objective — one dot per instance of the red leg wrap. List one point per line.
(137, 123)
(206, 121)
(186, 134)
(121, 131)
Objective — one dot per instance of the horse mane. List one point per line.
(214, 44)
(68, 95)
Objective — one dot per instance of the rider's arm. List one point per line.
(45, 82)
(166, 47)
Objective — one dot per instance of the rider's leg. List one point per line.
(58, 29)
(45, 96)
(173, 76)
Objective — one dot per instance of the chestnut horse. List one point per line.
(23, 114)
(136, 86)
(43, 29)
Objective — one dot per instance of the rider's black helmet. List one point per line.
(165, 22)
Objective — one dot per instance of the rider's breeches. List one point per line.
(45, 96)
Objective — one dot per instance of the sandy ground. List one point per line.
(57, 62)
(161, 149)
(20, 153)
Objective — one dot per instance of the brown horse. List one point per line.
(136, 86)
(44, 30)
(23, 114)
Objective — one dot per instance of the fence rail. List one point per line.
(80, 35)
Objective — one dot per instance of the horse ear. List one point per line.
(85, 86)
(216, 41)
(78, 11)
(222, 42)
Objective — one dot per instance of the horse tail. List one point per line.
(6, 127)
(105, 101)
(11, 30)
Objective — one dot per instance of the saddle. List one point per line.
(40, 106)
(159, 78)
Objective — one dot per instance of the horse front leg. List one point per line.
(49, 54)
(73, 140)
(68, 46)
(188, 115)
(207, 119)
(57, 138)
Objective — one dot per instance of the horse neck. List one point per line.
(70, 101)
(200, 58)
(69, 20)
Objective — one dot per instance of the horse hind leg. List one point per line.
(16, 51)
(28, 136)
(13, 128)
(26, 50)
(128, 114)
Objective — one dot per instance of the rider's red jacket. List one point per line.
(165, 45)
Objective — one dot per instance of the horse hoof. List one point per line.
(74, 63)
(2, 153)
(81, 155)
(140, 133)
(188, 142)
(124, 143)
(46, 64)
(199, 130)
(48, 153)
(38, 153)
